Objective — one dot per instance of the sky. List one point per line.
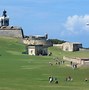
(61, 19)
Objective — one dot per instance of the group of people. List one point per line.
(69, 78)
(73, 65)
(57, 61)
(53, 80)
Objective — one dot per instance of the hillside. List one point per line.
(57, 52)
(23, 72)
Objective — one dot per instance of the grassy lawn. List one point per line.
(59, 53)
(22, 72)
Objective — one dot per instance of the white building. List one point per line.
(71, 46)
(37, 45)
(37, 50)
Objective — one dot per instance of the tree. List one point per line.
(56, 41)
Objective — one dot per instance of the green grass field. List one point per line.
(22, 72)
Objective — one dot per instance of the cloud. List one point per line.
(76, 25)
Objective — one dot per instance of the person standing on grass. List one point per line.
(56, 81)
(50, 79)
(86, 79)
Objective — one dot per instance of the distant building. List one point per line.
(9, 31)
(37, 45)
(37, 50)
(71, 46)
(37, 40)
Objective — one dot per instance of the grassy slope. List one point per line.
(22, 72)
(59, 53)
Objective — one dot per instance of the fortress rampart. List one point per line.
(12, 33)
(37, 40)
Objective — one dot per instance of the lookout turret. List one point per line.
(9, 31)
(4, 20)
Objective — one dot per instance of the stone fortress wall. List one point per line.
(37, 40)
(78, 61)
(9, 31)
(12, 33)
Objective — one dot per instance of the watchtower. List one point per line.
(9, 31)
(4, 20)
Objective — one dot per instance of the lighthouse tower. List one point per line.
(4, 20)
(9, 31)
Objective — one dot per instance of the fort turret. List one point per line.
(4, 19)
(9, 31)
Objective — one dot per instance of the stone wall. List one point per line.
(84, 49)
(37, 42)
(75, 60)
(12, 33)
(86, 63)
(79, 61)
